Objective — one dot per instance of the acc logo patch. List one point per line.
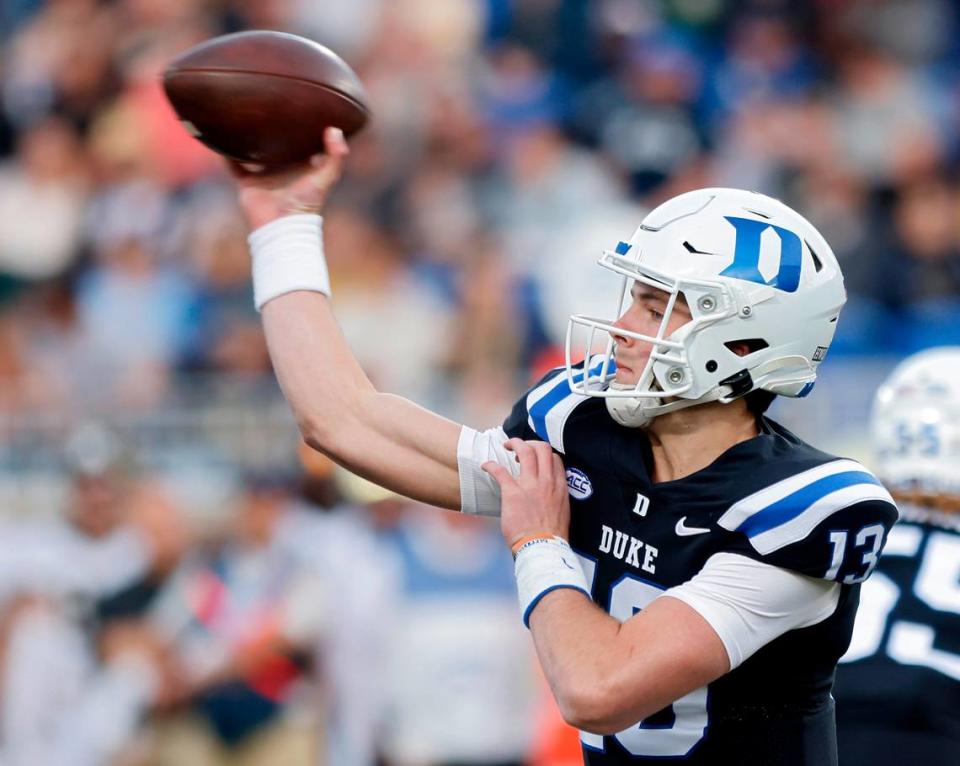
(578, 484)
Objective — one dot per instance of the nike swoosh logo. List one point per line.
(684, 531)
(692, 249)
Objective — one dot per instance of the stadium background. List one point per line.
(511, 141)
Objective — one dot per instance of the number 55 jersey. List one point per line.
(898, 685)
(772, 499)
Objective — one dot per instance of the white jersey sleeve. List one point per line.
(479, 492)
(749, 603)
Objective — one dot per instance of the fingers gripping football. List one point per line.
(267, 194)
(535, 503)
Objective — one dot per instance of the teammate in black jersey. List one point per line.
(716, 556)
(898, 686)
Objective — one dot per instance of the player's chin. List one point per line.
(625, 376)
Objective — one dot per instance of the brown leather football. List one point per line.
(264, 97)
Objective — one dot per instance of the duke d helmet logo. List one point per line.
(746, 256)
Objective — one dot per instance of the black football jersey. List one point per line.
(898, 685)
(774, 499)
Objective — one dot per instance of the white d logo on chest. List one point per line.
(578, 484)
(643, 503)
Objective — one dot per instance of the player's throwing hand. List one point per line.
(535, 503)
(266, 195)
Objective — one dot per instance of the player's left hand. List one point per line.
(536, 502)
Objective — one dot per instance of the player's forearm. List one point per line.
(608, 675)
(382, 437)
(415, 455)
(321, 380)
(574, 640)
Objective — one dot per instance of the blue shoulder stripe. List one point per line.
(788, 510)
(542, 407)
(554, 397)
(796, 503)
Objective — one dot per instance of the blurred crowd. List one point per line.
(511, 141)
(320, 620)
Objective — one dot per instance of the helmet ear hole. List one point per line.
(746, 346)
(817, 263)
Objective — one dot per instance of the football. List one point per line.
(264, 97)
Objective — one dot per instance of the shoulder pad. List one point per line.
(517, 425)
(550, 403)
(798, 522)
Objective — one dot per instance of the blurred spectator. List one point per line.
(347, 28)
(461, 686)
(926, 243)
(334, 531)
(886, 118)
(377, 296)
(764, 61)
(113, 531)
(226, 334)
(58, 704)
(143, 119)
(154, 302)
(55, 360)
(60, 61)
(242, 620)
(644, 119)
(42, 198)
(917, 31)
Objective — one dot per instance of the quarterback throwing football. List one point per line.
(688, 568)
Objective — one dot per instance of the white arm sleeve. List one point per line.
(749, 603)
(479, 492)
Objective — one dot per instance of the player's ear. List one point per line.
(740, 348)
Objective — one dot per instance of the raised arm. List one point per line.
(382, 437)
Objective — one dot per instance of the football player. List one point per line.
(695, 600)
(898, 685)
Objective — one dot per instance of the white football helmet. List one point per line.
(915, 424)
(751, 269)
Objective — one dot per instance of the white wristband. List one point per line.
(542, 566)
(288, 255)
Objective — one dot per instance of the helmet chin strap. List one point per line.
(639, 412)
